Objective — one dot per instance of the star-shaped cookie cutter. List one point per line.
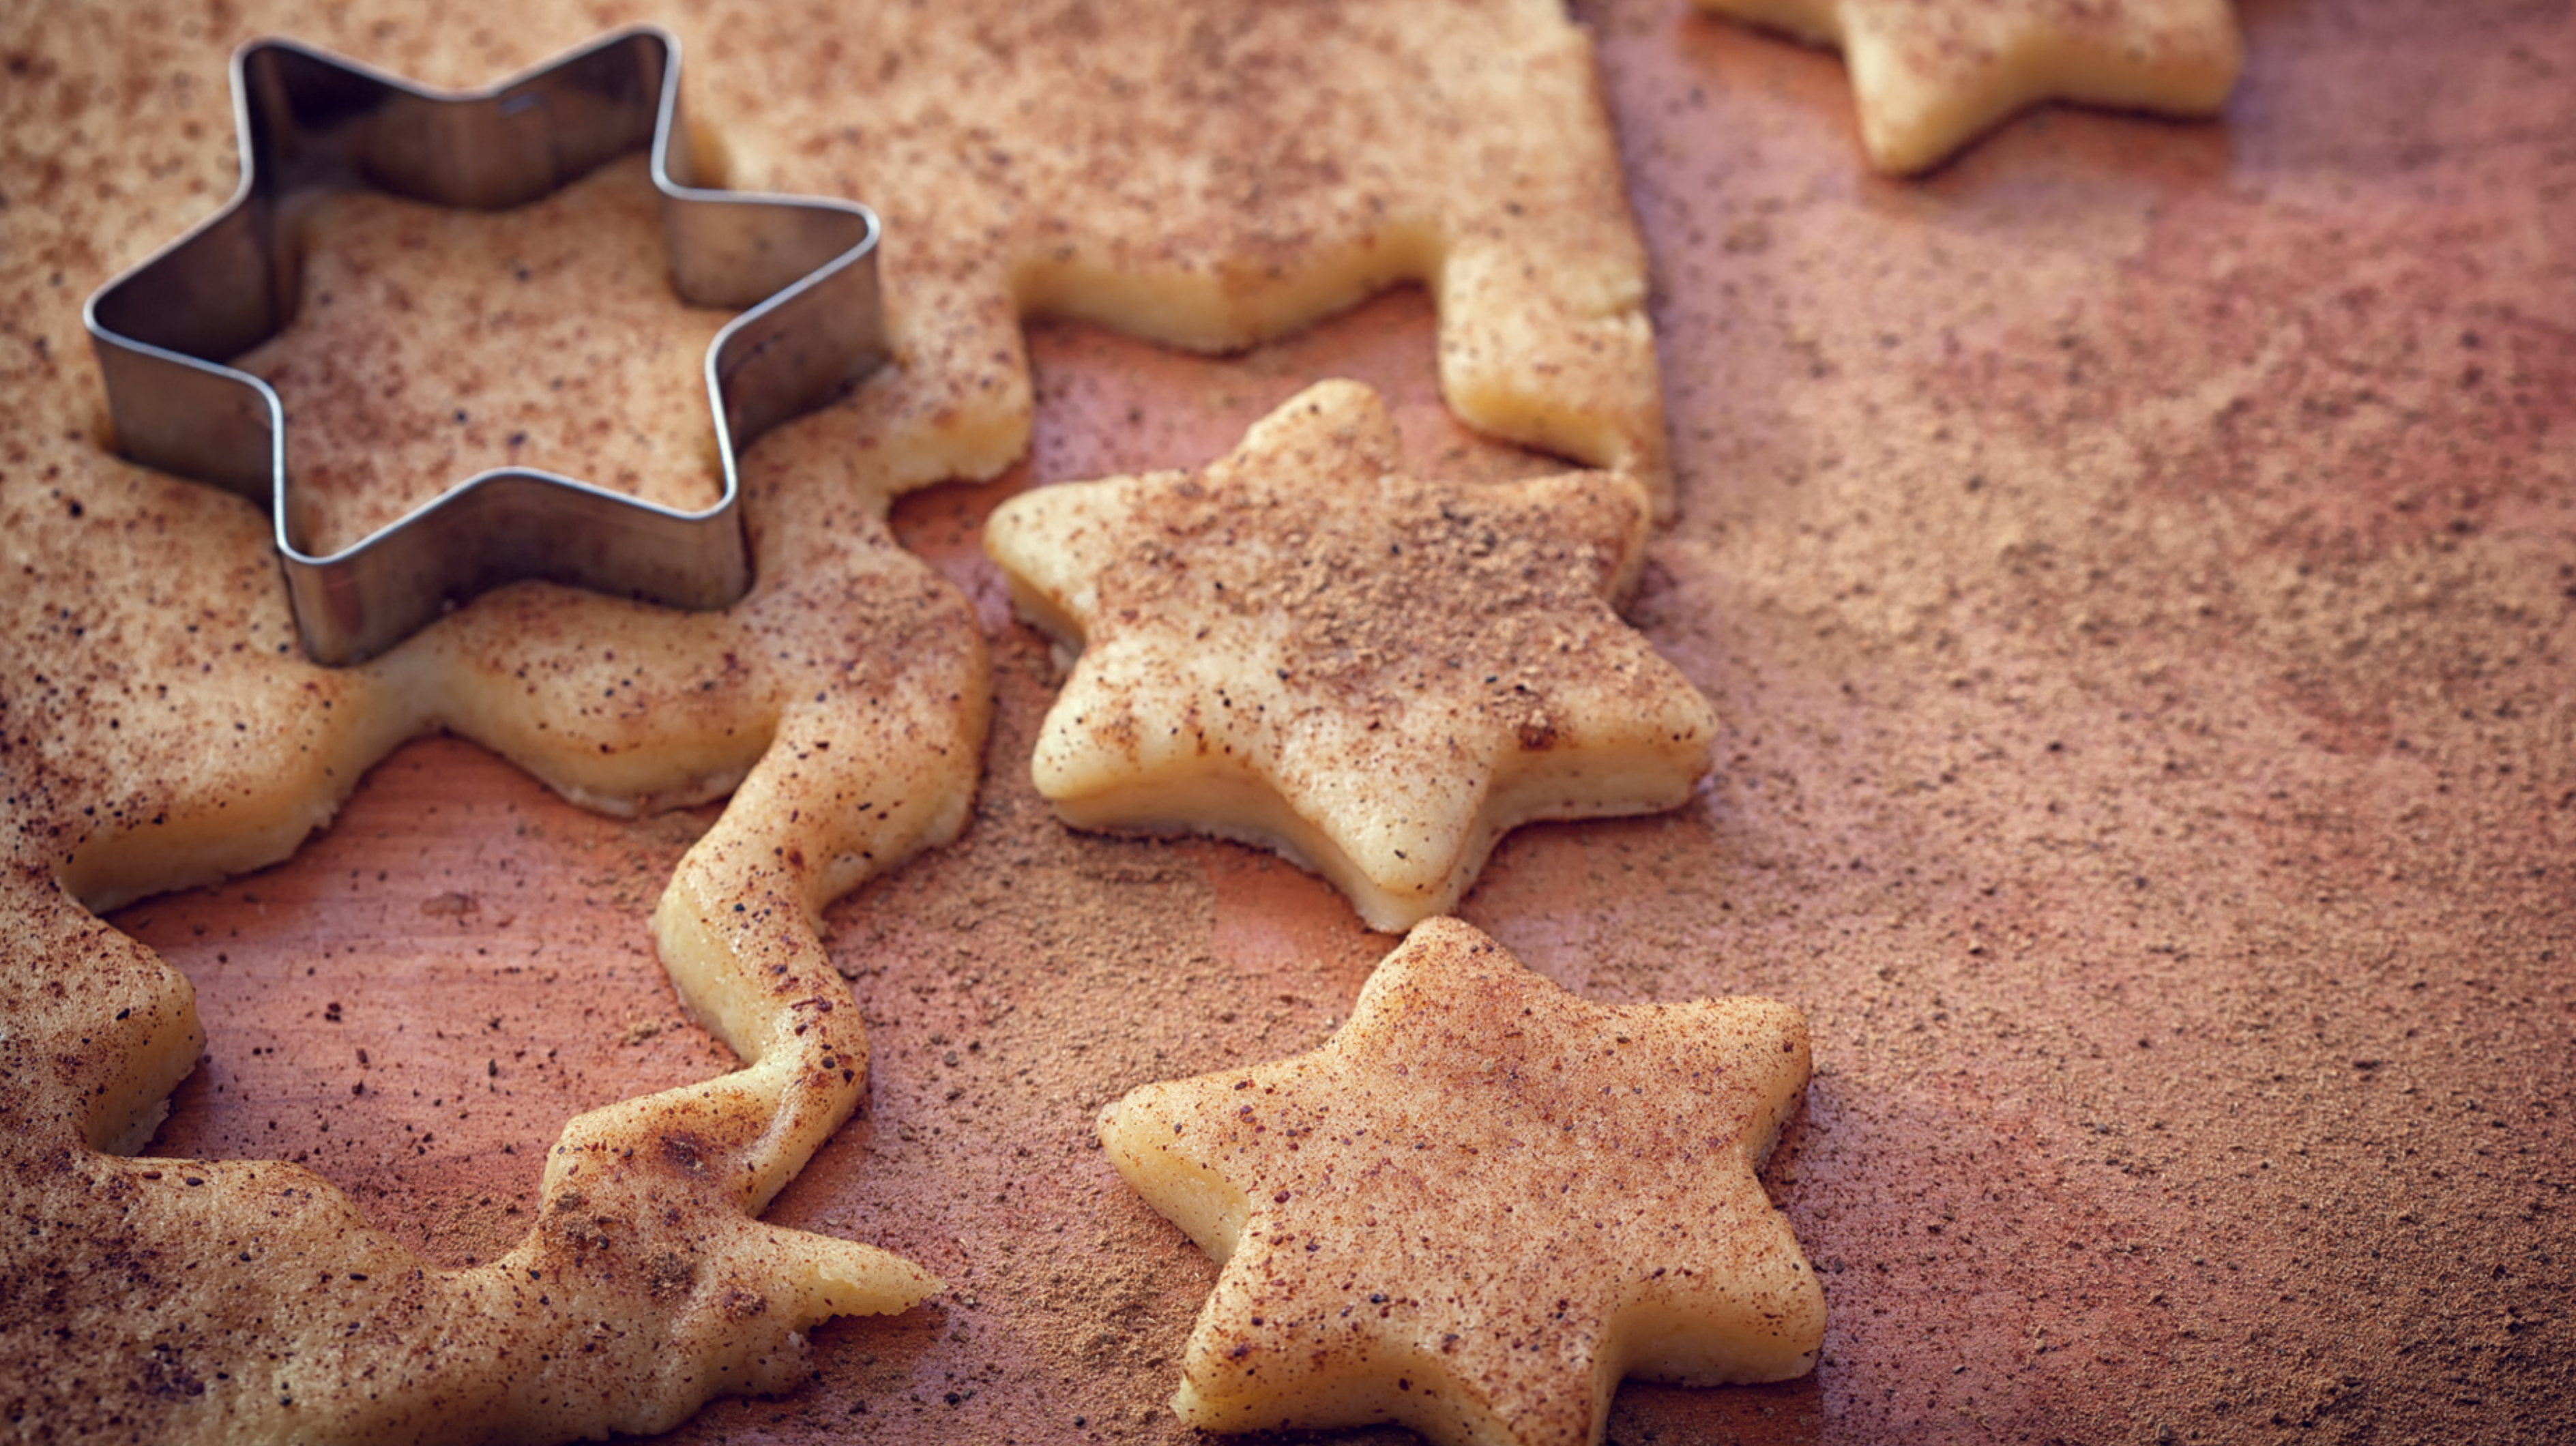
(312, 122)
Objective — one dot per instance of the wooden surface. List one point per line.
(2134, 569)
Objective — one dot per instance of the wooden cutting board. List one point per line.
(2133, 567)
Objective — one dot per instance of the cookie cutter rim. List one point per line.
(308, 122)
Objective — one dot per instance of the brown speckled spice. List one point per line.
(598, 391)
(1383, 672)
(1479, 1196)
(1383, 590)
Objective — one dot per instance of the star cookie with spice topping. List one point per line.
(1481, 1204)
(1378, 676)
(1931, 75)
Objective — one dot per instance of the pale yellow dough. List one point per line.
(1932, 75)
(1205, 175)
(1209, 175)
(1378, 676)
(161, 730)
(1482, 1204)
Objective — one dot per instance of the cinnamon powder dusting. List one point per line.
(1404, 593)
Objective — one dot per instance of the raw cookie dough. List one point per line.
(1378, 676)
(159, 729)
(1209, 175)
(1205, 176)
(1481, 1204)
(1932, 75)
(540, 383)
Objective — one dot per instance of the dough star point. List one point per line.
(1930, 76)
(1481, 1204)
(1298, 645)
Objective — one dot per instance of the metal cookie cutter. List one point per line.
(313, 122)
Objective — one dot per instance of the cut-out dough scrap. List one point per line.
(1481, 1204)
(158, 729)
(1931, 75)
(1377, 676)
(540, 385)
(1209, 176)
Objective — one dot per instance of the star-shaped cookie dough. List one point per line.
(1481, 1204)
(1375, 675)
(1931, 75)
